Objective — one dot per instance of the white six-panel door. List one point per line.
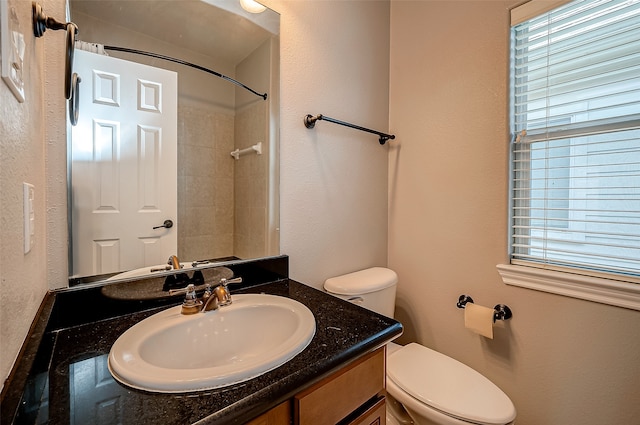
(124, 166)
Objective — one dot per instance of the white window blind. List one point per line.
(575, 121)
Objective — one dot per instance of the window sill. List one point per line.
(597, 289)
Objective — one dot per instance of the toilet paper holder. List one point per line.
(502, 312)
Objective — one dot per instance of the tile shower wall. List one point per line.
(251, 183)
(205, 182)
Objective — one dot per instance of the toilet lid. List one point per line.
(361, 282)
(449, 386)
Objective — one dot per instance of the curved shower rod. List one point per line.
(192, 65)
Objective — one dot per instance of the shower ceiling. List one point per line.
(229, 37)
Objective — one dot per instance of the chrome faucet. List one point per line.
(212, 299)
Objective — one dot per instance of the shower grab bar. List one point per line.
(181, 62)
(310, 122)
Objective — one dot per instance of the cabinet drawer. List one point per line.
(375, 415)
(336, 396)
(279, 415)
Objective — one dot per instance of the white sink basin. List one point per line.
(170, 352)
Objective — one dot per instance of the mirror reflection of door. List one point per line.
(123, 166)
(94, 396)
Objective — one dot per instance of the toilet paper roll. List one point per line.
(479, 319)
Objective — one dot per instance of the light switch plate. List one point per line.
(12, 47)
(29, 216)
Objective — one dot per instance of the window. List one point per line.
(575, 149)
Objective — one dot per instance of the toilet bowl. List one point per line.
(424, 387)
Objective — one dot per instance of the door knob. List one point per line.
(168, 224)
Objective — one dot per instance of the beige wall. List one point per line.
(334, 61)
(25, 149)
(561, 360)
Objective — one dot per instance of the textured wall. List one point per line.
(56, 127)
(23, 277)
(334, 61)
(561, 360)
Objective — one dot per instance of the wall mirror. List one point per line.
(199, 180)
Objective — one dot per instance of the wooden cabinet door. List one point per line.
(337, 396)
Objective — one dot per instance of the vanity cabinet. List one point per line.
(374, 414)
(352, 395)
(279, 415)
(336, 380)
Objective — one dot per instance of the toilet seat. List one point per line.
(448, 386)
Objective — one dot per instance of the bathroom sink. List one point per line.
(170, 352)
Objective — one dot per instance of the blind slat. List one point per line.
(576, 70)
(575, 111)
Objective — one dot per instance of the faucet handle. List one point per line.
(222, 291)
(190, 293)
(225, 282)
(191, 303)
(184, 290)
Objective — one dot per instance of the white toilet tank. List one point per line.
(373, 288)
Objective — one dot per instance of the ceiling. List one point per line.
(189, 24)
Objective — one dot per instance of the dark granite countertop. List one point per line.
(65, 378)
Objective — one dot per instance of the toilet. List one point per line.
(424, 387)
